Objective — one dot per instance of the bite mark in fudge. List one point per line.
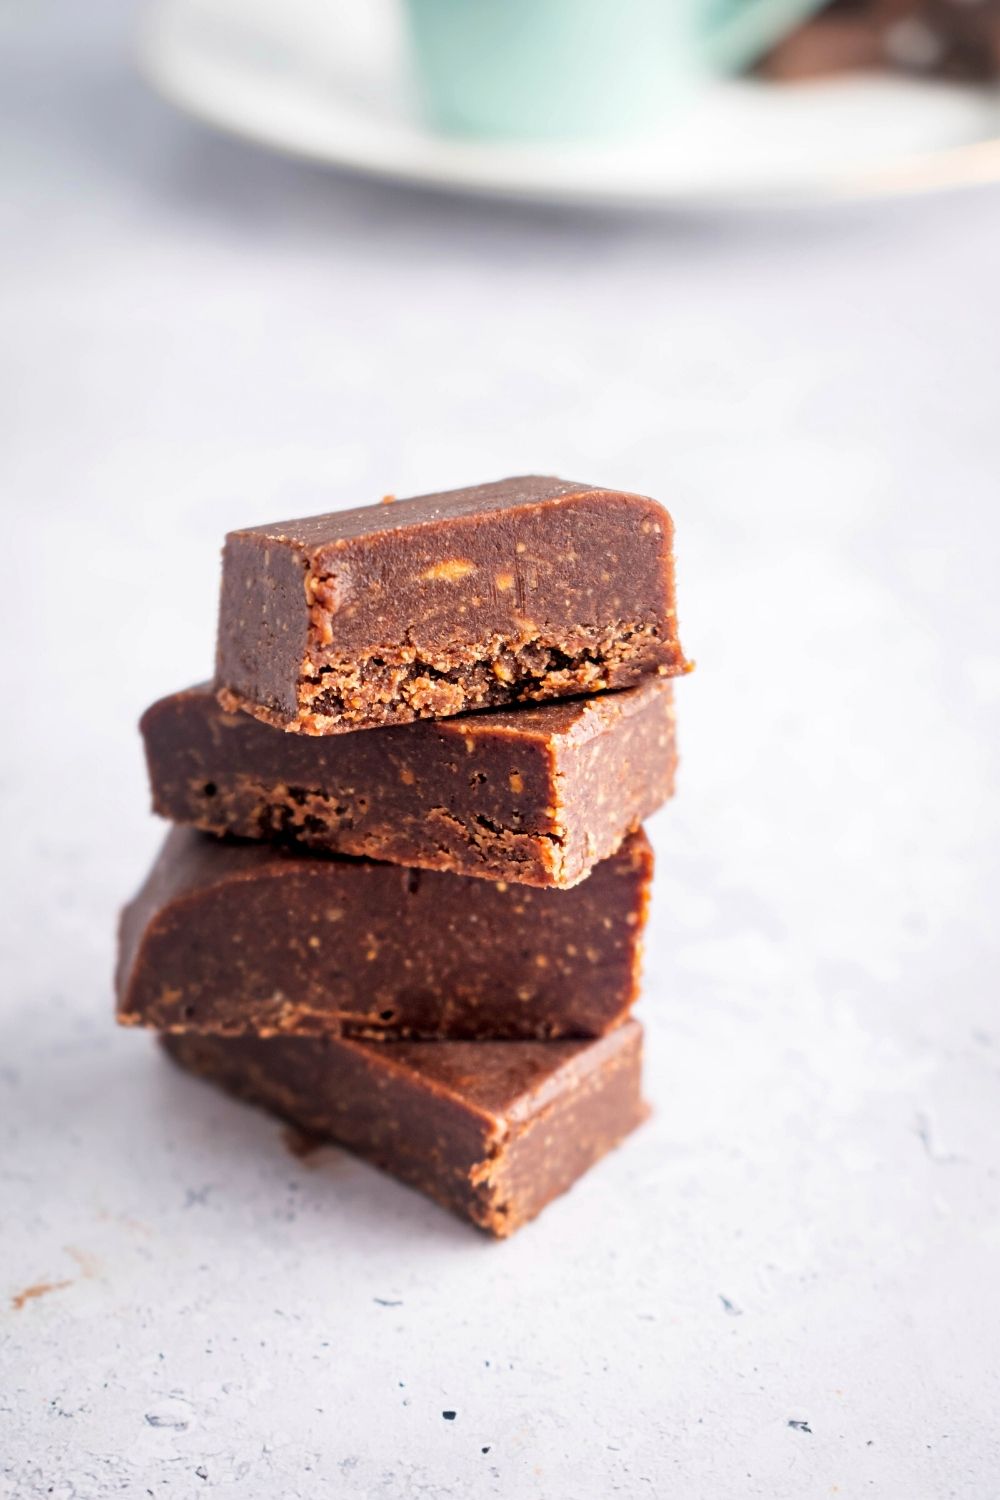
(536, 795)
(524, 590)
(491, 1130)
(231, 938)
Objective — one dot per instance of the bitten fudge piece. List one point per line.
(531, 588)
(231, 938)
(536, 795)
(491, 1130)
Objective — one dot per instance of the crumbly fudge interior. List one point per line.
(473, 844)
(403, 684)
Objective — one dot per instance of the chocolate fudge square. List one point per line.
(524, 590)
(491, 1130)
(537, 795)
(233, 938)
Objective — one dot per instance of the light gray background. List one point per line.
(193, 336)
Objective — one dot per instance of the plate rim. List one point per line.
(913, 174)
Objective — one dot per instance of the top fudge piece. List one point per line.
(530, 588)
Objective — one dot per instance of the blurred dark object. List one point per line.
(957, 39)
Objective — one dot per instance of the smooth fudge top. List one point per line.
(499, 1082)
(531, 588)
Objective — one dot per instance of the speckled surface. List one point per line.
(785, 1284)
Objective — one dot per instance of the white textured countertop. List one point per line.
(786, 1284)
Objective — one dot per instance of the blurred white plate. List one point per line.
(326, 79)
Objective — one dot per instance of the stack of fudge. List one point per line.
(403, 901)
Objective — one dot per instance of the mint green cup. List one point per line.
(563, 69)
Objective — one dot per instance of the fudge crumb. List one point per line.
(301, 1143)
(38, 1289)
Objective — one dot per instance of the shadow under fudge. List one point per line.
(531, 588)
(231, 938)
(536, 795)
(492, 1131)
